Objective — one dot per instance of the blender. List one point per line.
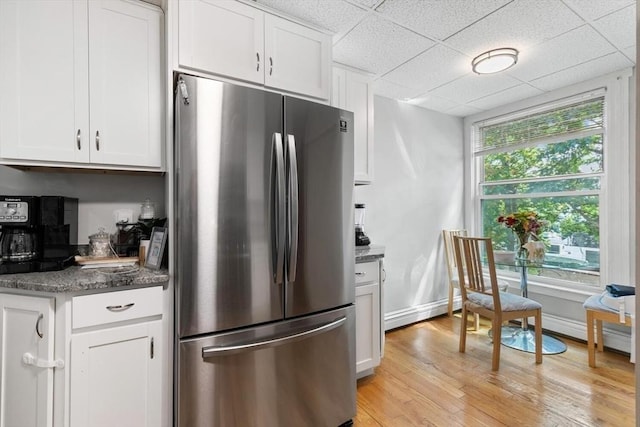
(361, 238)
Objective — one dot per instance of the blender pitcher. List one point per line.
(361, 238)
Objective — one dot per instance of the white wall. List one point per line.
(417, 191)
(99, 195)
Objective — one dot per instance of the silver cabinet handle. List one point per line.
(120, 307)
(259, 345)
(270, 65)
(79, 140)
(293, 206)
(360, 273)
(98, 140)
(258, 64)
(40, 317)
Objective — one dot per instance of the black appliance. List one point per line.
(37, 233)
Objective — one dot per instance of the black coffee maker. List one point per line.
(37, 233)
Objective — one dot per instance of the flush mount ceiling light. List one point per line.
(494, 60)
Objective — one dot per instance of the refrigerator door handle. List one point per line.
(293, 208)
(214, 351)
(279, 214)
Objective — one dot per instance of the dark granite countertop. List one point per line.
(76, 279)
(369, 253)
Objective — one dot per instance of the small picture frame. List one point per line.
(156, 247)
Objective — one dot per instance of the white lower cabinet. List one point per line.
(84, 361)
(116, 365)
(26, 350)
(369, 331)
(116, 377)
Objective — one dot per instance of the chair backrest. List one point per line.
(449, 252)
(474, 255)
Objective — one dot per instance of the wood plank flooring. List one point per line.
(424, 381)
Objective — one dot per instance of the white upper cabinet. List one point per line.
(44, 80)
(81, 83)
(237, 41)
(352, 91)
(126, 88)
(297, 58)
(222, 37)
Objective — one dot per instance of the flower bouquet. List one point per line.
(526, 226)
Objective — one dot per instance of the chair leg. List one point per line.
(463, 329)
(600, 339)
(496, 325)
(591, 349)
(450, 303)
(538, 318)
(476, 322)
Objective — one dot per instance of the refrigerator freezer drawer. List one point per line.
(289, 373)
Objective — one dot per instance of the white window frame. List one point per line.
(617, 243)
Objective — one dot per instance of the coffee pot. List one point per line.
(18, 244)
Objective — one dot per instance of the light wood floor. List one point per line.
(423, 380)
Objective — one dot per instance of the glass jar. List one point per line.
(147, 210)
(100, 244)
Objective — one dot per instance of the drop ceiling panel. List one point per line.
(473, 86)
(421, 50)
(575, 47)
(377, 45)
(594, 9)
(435, 67)
(338, 18)
(436, 18)
(507, 96)
(367, 3)
(618, 27)
(463, 111)
(434, 103)
(391, 90)
(519, 24)
(588, 70)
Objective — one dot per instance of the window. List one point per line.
(548, 159)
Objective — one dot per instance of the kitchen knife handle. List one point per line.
(213, 351)
(79, 140)
(98, 140)
(279, 213)
(293, 208)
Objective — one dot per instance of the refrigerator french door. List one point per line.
(265, 258)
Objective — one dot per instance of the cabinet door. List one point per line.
(116, 377)
(44, 111)
(297, 58)
(367, 326)
(26, 391)
(126, 84)
(339, 88)
(359, 99)
(222, 37)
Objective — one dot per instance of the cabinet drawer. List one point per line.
(109, 307)
(367, 272)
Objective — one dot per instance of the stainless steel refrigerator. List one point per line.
(265, 320)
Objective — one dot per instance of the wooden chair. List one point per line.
(488, 301)
(452, 268)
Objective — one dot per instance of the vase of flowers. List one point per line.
(526, 226)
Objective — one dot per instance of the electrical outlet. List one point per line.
(123, 215)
